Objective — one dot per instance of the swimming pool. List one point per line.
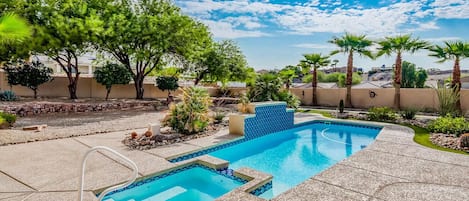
(294, 155)
(194, 182)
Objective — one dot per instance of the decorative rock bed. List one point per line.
(38, 108)
(168, 136)
(447, 141)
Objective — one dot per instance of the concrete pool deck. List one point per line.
(392, 168)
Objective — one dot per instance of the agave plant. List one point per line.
(191, 115)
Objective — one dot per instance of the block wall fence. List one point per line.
(425, 99)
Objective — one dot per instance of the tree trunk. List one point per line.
(35, 93)
(315, 84)
(108, 91)
(72, 88)
(397, 82)
(287, 85)
(456, 83)
(199, 78)
(348, 82)
(138, 83)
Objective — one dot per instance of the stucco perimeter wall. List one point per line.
(423, 99)
(88, 88)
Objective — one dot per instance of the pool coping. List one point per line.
(393, 167)
(254, 180)
(389, 133)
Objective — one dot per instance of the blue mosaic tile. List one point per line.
(262, 189)
(228, 173)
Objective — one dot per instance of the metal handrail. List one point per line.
(112, 188)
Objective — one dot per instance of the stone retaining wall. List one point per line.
(38, 108)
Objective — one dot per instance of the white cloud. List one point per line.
(246, 21)
(373, 21)
(455, 10)
(332, 16)
(222, 29)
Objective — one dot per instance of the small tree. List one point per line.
(169, 83)
(112, 74)
(29, 75)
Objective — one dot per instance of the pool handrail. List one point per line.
(112, 188)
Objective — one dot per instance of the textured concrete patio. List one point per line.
(392, 168)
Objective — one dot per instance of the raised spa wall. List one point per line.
(263, 118)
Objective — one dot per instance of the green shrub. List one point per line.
(381, 114)
(8, 96)
(408, 113)
(191, 114)
(10, 118)
(268, 88)
(449, 125)
(292, 100)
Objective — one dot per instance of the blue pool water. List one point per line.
(294, 155)
(194, 183)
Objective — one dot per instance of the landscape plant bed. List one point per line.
(168, 136)
(447, 141)
(30, 108)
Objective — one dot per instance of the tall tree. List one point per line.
(452, 50)
(146, 35)
(399, 45)
(223, 62)
(350, 44)
(63, 30)
(313, 62)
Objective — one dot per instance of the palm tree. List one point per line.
(13, 29)
(315, 61)
(349, 44)
(287, 75)
(399, 45)
(452, 50)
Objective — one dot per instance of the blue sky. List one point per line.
(276, 33)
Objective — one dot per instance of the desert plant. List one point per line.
(243, 103)
(464, 140)
(381, 114)
(8, 96)
(408, 113)
(10, 118)
(449, 125)
(341, 106)
(448, 99)
(218, 117)
(191, 114)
